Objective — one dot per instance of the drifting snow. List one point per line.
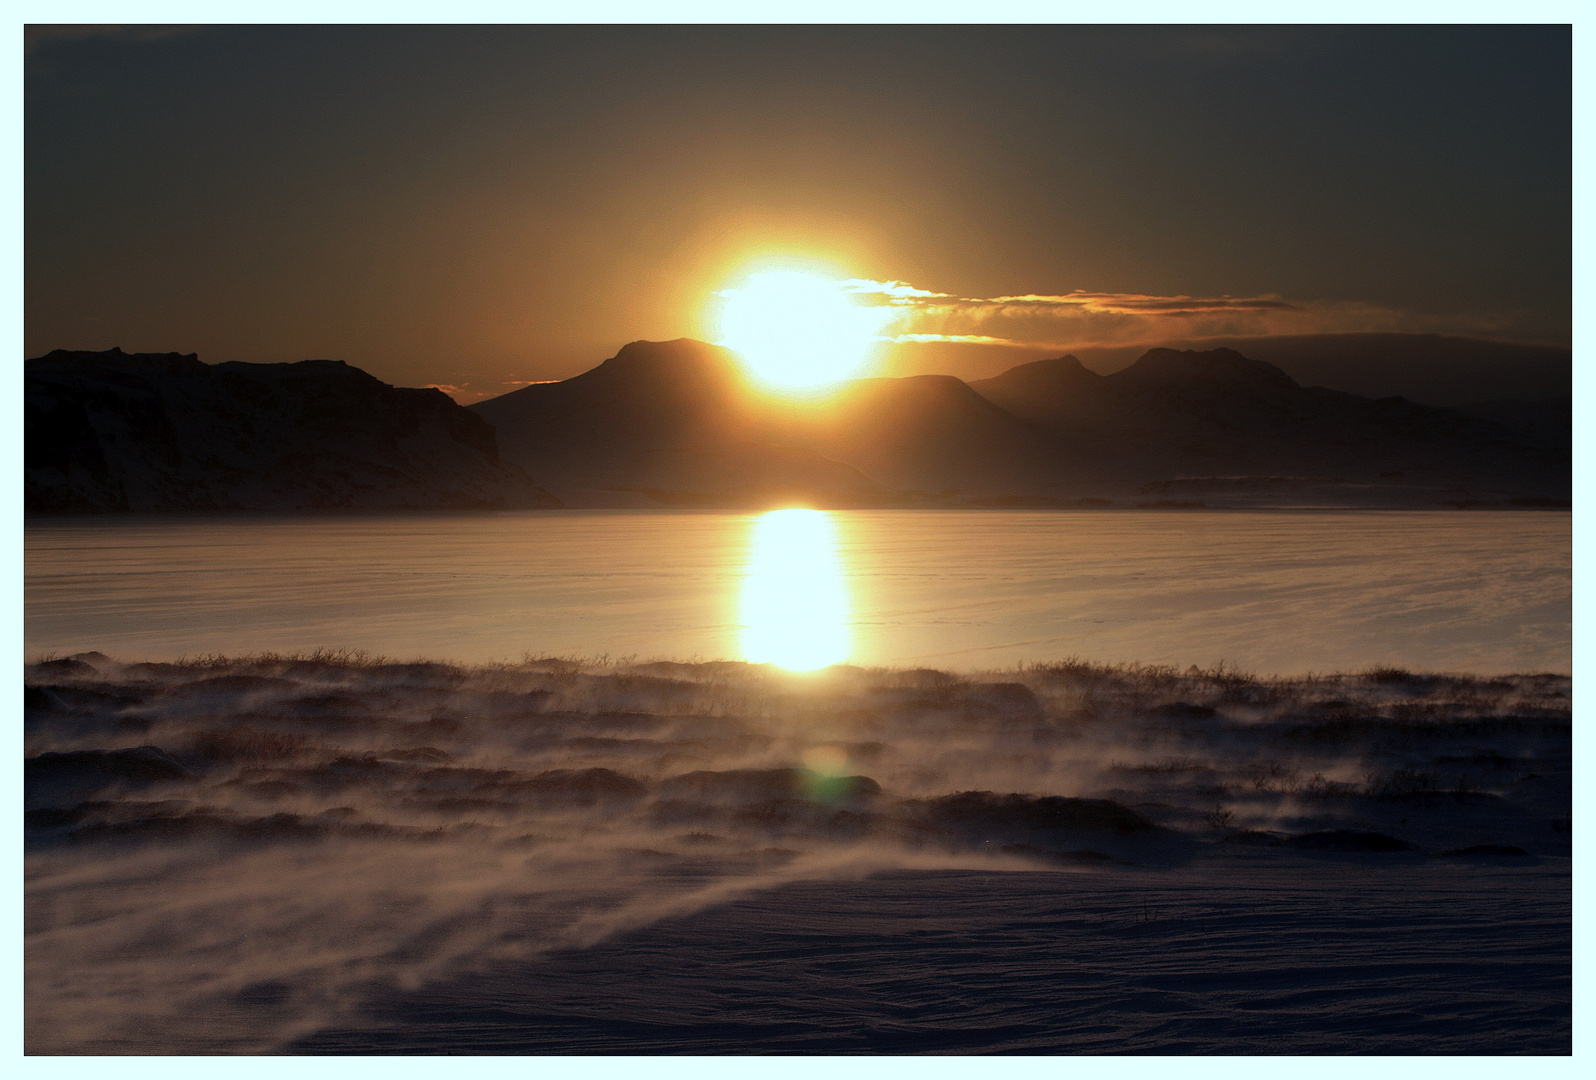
(331, 853)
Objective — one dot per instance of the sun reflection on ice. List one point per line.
(795, 606)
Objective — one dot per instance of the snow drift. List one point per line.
(239, 854)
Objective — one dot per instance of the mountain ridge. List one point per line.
(679, 423)
(1047, 432)
(1438, 370)
(113, 431)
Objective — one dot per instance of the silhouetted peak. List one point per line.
(1213, 365)
(917, 388)
(682, 355)
(644, 377)
(1068, 364)
(1043, 389)
(1064, 370)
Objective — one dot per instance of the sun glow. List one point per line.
(799, 330)
(794, 606)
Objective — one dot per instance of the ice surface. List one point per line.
(1277, 592)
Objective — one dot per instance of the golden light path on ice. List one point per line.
(794, 602)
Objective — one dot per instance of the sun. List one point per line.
(799, 330)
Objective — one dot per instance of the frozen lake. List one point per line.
(1270, 592)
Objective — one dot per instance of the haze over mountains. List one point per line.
(677, 424)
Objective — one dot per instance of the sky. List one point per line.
(481, 207)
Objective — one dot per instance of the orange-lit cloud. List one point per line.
(1082, 318)
(897, 290)
(964, 339)
(1141, 304)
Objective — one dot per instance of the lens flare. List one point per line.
(799, 330)
(794, 603)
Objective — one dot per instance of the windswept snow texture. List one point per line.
(333, 854)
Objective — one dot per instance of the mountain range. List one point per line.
(1445, 370)
(114, 431)
(677, 423)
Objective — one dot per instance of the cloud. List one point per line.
(960, 339)
(1083, 318)
(1141, 304)
(897, 290)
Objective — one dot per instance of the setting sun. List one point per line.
(798, 330)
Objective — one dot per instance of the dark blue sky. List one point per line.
(475, 206)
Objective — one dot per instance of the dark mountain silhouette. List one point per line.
(1445, 370)
(1051, 391)
(675, 423)
(108, 431)
(927, 434)
(670, 422)
(1220, 424)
